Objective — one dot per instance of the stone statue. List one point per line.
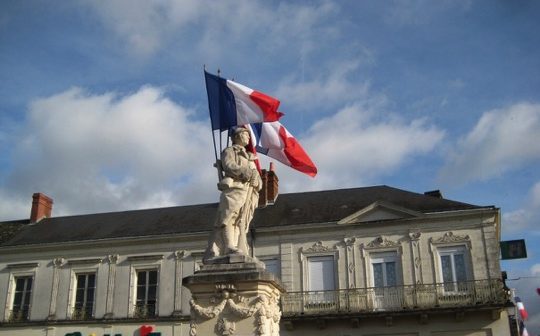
(240, 186)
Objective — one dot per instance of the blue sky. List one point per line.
(103, 105)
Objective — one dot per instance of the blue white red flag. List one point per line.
(521, 308)
(273, 140)
(232, 104)
(522, 329)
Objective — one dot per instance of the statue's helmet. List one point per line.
(240, 130)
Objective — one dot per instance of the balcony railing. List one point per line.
(144, 310)
(399, 298)
(19, 315)
(82, 313)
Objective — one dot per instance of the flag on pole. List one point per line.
(521, 307)
(522, 329)
(233, 104)
(273, 140)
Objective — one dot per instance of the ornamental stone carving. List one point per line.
(58, 262)
(228, 307)
(317, 247)
(382, 242)
(450, 237)
(414, 235)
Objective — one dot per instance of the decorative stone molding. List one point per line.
(348, 243)
(178, 256)
(77, 262)
(57, 263)
(382, 241)
(152, 257)
(317, 247)
(319, 250)
(23, 265)
(350, 261)
(228, 307)
(449, 237)
(414, 238)
(112, 259)
(414, 235)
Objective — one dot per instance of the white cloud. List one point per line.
(109, 152)
(526, 218)
(535, 269)
(146, 27)
(502, 140)
(419, 12)
(331, 86)
(354, 147)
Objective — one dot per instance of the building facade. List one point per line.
(363, 261)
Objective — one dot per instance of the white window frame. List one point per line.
(318, 250)
(73, 288)
(143, 263)
(381, 246)
(16, 271)
(384, 257)
(453, 250)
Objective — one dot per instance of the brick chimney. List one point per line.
(41, 207)
(272, 185)
(269, 191)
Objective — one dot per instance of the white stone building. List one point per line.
(364, 261)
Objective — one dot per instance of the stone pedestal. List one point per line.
(234, 296)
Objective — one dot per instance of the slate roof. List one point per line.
(289, 209)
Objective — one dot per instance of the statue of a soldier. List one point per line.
(240, 188)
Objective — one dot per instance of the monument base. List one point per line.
(234, 298)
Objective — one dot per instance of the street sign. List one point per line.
(513, 249)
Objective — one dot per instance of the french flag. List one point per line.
(522, 329)
(521, 307)
(273, 140)
(233, 104)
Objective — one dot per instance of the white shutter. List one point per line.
(321, 273)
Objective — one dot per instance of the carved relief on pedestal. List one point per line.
(228, 308)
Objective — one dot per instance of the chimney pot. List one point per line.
(41, 207)
(434, 193)
(272, 185)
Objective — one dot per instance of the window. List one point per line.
(321, 273)
(21, 298)
(453, 268)
(272, 266)
(84, 296)
(385, 278)
(146, 293)
(384, 267)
